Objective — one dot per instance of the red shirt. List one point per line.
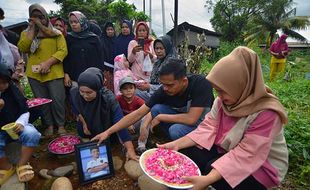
(127, 108)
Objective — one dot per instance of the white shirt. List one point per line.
(93, 163)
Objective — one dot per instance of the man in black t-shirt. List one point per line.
(179, 105)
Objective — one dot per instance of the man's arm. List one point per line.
(128, 120)
(189, 118)
(98, 168)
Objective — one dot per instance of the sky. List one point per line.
(191, 11)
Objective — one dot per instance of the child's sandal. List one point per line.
(24, 173)
(6, 174)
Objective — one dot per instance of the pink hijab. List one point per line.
(121, 69)
(279, 45)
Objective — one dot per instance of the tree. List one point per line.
(278, 14)
(101, 11)
(92, 9)
(121, 10)
(230, 16)
(141, 16)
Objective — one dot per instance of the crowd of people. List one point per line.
(119, 85)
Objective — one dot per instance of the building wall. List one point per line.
(211, 41)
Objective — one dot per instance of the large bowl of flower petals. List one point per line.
(63, 144)
(168, 167)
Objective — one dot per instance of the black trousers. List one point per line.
(204, 158)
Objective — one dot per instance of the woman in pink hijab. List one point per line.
(279, 51)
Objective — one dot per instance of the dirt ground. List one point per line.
(121, 181)
(43, 159)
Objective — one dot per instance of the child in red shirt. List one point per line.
(128, 100)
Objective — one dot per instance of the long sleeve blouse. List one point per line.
(261, 152)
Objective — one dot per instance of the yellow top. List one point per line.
(49, 47)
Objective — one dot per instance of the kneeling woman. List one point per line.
(97, 108)
(13, 108)
(240, 144)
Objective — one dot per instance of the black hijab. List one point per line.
(97, 113)
(122, 41)
(108, 44)
(170, 52)
(15, 102)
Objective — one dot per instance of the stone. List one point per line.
(133, 169)
(62, 183)
(117, 163)
(146, 183)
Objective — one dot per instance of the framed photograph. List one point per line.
(93, 162)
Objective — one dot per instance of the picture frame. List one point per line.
(94, 162)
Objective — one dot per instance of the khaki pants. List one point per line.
(276, 66)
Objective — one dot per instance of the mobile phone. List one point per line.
(141, 42)
(36, 68)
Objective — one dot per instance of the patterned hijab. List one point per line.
(63, 24)
(120, 63)
(239, 74)
(85, 32)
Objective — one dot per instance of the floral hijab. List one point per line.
(120, 63)
(63, 24)
(85, 32)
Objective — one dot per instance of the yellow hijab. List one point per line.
(239, 74)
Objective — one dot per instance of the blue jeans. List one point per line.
(173, 130)
(28, 137)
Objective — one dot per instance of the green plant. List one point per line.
(194, 56)
(295, 97)
(121, 10)
(141, 16)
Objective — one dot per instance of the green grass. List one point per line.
(294, 94)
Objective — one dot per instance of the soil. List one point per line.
(120, 181)
(43, 159)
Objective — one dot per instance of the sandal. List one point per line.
(6, 174)
(24, 173)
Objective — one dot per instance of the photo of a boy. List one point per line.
(97, 166)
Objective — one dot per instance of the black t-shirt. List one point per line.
(197, 94)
